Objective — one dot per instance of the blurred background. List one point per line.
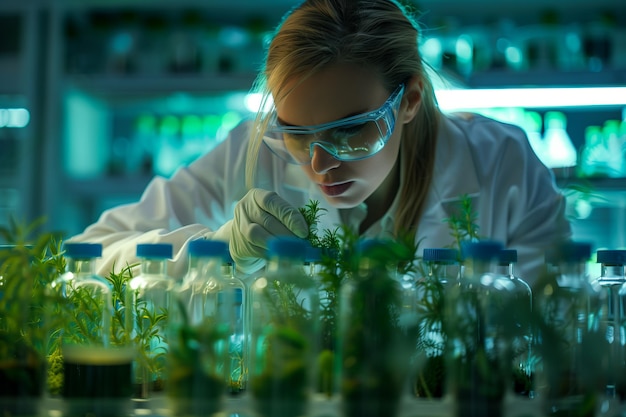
(98, 96)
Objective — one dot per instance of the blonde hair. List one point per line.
(376, 34)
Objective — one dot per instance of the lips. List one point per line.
(335, 189)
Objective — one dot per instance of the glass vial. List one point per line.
(284, 328)
(612, 320)
(97, 368)
(317, 263)
(521, 309)
(479, 327)
(426, 296)
(373, 347)
(567, 341)
(205, 358)
(148, 297)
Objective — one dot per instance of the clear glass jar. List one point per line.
(373, 347)
(612, 321)
(97, 372)
(205, 358)
(424, 295)
(284, 304)
(317, 264)
(237, 302)
(570, 347)
(521, 308)
(148, 302)
(478, 326)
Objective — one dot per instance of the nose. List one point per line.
(322, 161)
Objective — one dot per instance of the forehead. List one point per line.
(335, 92)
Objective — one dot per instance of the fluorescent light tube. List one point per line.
(557, 97)
(531, 97)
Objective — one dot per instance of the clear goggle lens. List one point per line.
(351, 139)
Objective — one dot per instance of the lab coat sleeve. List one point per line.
(195, 202)
(528, 208)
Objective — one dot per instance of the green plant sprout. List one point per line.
(463, 224)
(27, 268)
(239, 375)
(150, 339)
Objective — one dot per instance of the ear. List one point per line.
(412, 99)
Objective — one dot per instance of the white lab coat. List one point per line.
(513, 195)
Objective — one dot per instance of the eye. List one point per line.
(342, 132)
(296, 137)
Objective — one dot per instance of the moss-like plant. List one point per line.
(430, 374)
(428, 371)
(331, 273)
(375, 348)
(27, 264)
(37, 320)
(284, 328)
(371, 361)
(463, 222)
(149, 338)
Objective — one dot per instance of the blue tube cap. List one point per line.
(569, 251)
(83, 250)
(442, 255)
(611, 257)
(208, 248)
(482, 250)
(155, 250)
(288, 247)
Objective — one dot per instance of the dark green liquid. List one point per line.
(97, 382)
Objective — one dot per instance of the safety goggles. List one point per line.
(349, 139)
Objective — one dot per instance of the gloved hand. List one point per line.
(259, 216)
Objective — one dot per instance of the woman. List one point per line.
(355, 125)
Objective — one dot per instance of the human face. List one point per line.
(338, 92)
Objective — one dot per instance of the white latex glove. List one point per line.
(259, 216)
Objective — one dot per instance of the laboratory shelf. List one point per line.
(119, 186)
(543, 78)
(600, 192)
(144, 86)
